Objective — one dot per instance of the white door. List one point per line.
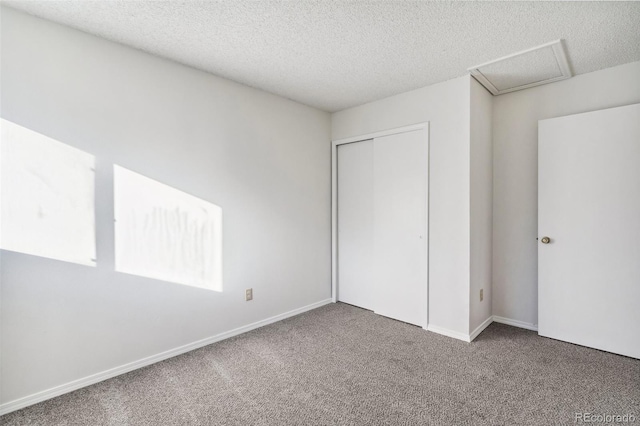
(355, 224)
(382, 223)
(399, 223)
(589, 208)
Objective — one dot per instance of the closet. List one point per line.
(382, 193)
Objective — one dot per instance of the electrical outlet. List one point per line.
(481, 294)
(248, 294)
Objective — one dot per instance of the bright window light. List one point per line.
(46, 197)
(166, 234)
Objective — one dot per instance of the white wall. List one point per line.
(481, 194)
(265, 160)
(515, 204)
(446, 107)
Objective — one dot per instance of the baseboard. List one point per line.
(449, 333)
(479, 329)
(461, 336)
(515, 323)
(23, 402)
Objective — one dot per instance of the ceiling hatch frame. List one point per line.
(559, 53)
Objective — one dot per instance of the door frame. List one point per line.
(334, 201)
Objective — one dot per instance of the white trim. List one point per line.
(449, 333)
(515, 323)
(427, 229)
(334, 222)
(334, 199)
(387, 132)
(486, 323)
(561, 59)
(461, 336)
(479, 329)
(19, 403)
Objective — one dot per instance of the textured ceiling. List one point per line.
(335, 54)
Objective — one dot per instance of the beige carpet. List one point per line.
(340, 365)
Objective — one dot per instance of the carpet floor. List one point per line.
(341, 365)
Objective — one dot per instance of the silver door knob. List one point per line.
(545, 240)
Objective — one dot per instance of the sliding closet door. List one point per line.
(400, 226)
(355, 224)
(382, 225)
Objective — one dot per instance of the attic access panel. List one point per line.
(532, 67)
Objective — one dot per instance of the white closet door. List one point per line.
(355, 224)
(589, 208)
(400, 226)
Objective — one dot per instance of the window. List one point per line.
(166, 234)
